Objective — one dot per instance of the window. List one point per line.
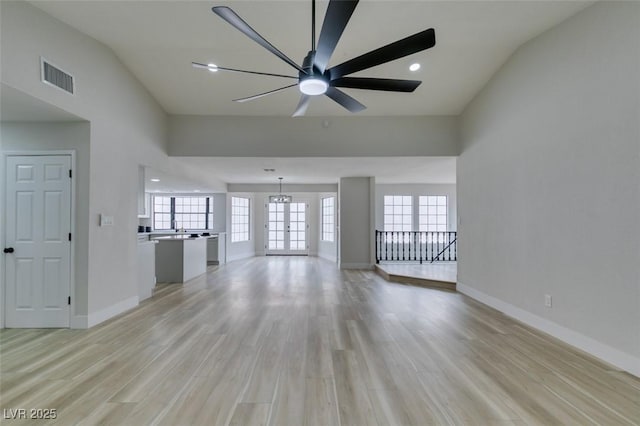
(182, 213)
(328, 215)
(432, 213)
(162, 212)
(239, 219)
(397, 213)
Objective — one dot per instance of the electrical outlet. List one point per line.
(547, 300)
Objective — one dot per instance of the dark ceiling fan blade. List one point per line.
(345, 100)
(399, 49)
(232, 18)
(386, 84)
(302, 106)
(206, 67)
(250, 98)
(335, 21)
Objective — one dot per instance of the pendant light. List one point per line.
(280, 198)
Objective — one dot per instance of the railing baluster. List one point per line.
(416, 246)
(406, 240)
(386, 239)
(393, 243)
(403, 245)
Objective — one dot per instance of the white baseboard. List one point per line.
(362, 265)
(598, 349)
(111, 311)
(79, 321)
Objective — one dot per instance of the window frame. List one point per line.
(244, 215)
(397, 202)
(431, 210)
(328, 228)
(173, 211)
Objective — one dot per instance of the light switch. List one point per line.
(106, 220)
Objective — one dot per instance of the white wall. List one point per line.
(261, 199)
(61, 136)
(549, 179)
(127, 129)
(415, 190)
(259, 194)
(282, 136)
(219, 213)
(356, 222)
(256, 245)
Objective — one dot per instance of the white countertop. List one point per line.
(180, 237)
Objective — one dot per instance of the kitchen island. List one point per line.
(180, 258)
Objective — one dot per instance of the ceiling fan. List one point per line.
(313, 76)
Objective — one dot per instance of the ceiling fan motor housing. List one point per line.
(311, 81)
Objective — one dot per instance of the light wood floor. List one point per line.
(294, 341)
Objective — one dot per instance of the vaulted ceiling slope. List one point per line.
(158, 40)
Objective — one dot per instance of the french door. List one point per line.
(38, 249)
(287, 228)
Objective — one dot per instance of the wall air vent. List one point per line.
(56, 77)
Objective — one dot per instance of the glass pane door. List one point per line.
(275, 225)
(298, 226)
(287, 228)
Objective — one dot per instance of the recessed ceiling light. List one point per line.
(212, 67)
(155, 180)
(414, 67)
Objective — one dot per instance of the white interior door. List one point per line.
(37, 247)
(287, 228)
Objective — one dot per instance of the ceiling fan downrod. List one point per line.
(313, 26)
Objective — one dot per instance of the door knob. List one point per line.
(8, 250)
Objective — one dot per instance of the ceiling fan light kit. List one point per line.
(313, 86)
(313, 76)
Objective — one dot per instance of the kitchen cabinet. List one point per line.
(180, 258)
(216, 249)
(146, 263)
(146, 210)
(143, 198)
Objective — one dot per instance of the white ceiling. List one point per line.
(326, 170)
(157, 40)
(167, 182)
(250, 170)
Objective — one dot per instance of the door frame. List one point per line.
(288, 252)
(3, 224)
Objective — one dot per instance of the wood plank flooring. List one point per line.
(295, 341)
